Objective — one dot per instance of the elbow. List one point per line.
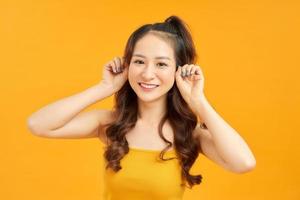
(246, 166)
(33, 128)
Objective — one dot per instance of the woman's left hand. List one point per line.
(190, 82)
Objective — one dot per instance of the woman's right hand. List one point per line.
(114, 74)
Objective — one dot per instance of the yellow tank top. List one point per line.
(144, 177)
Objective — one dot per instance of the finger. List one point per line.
(188, 70)
(198, 71)
(192, 73)
(115, 60)
(196, 77)
(122, 63)
(108, 66)
(198, 74)
(113, 66)
(119, 64)
(183, 70)
(193, 69)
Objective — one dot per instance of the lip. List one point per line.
(148, 83)
(147, 89)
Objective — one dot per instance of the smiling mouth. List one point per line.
(148, 86)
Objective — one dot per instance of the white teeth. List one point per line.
(148, 86)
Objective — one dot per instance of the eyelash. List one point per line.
(142, 61)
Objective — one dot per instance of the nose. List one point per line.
(148, 73)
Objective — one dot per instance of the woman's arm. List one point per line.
(59, 119)
(226, 144)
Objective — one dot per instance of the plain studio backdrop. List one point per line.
(54, 49)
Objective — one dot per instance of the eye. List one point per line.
(162, 64)
(138, 61)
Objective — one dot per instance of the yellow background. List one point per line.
(53, 49)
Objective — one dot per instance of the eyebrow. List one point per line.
(158, 57)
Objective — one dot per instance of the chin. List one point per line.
(149, 99)
(150, 96)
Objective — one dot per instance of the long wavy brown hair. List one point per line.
(182, 120)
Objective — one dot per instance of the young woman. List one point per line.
(161, 120)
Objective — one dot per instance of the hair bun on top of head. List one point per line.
(173, 19)
(177, 23)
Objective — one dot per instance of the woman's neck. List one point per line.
(151, 113)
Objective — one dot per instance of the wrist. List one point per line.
(199, 102)
(200, 106)
(103, 90)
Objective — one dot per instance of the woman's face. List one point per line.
(153, 62)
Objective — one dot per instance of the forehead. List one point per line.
(153, 45)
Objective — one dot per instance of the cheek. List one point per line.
(169, 74)
(131, 73)
(133, 76)
(168, 78)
